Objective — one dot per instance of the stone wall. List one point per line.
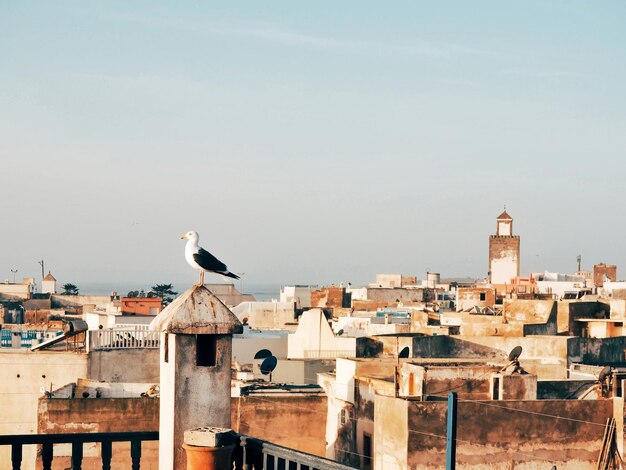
(296, 421)
(124, 365)
(101, 415)
(500, 434)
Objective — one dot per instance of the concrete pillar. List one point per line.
(195, 366)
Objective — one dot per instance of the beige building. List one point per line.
(49, 284)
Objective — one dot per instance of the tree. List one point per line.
(69, 289)
(165, 291)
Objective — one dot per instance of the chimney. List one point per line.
(195, 365)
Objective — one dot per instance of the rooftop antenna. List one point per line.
(515, 354)
(268, 365)
(514, 361)
(578, 260)
(14, 271)
(42, 268)
(263, 354)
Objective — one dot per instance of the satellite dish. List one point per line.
(604, 373)
(404, 353)
(268, 365)
(262, 354)
(515, 353)
(340, 332)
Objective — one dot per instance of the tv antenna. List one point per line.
(404, 354)
(513, 367)
(262, 354)
(268, 365)
(578, 260)
(42, 268)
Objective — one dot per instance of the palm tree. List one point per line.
(69, 289)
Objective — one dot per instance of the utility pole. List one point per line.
(451, 432)
(42, 269)
(241, 282)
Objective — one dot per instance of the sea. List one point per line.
(266, 291)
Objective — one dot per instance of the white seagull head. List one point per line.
(191, 235)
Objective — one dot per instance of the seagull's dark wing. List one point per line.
(208, 261)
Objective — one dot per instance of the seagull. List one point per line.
(199, 258)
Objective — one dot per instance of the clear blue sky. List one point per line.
(309, 142)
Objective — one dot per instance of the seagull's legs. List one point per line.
(201, 282)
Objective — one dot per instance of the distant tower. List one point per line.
(602, 272)
(49, 284)
(504, 251)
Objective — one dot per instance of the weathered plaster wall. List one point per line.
(391, 435)
(267, 315)
(562, 389)
(504, 257)
(398, 294)
(330, 297)
(315, 338)
(100, 415)
(245, 346)
(469, 381)
(504, 434)
(23, 373)
(539, 317)
(293, 421)
(468, 297)
(598, 351)
(124, 365)
(570, 310)
(545, 356)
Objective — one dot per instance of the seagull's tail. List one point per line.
(228, 274)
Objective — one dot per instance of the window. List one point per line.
(206, 350)
(367, 451)
(482, 296)
(496, 389)
(344, 416)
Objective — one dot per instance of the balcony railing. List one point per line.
(123, 338)
(77, 440)
(328, 353)
(249, 454)
(256, 454)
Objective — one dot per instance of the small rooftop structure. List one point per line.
(504, 216)
(197, 311)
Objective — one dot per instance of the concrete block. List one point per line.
(210, 437)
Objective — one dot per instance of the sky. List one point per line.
(309, 142)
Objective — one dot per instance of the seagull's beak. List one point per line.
(182, 237)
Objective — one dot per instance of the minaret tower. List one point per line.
(504, 251)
